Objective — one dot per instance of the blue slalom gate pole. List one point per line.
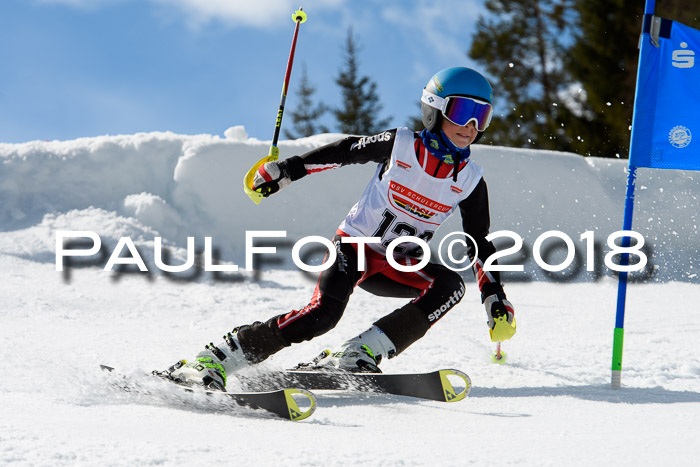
(618, 337)
(622, 282)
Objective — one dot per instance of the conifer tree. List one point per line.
(521, 47)
(360, 107)
(415, 123)
(603, 59)
(564, 71)
(306, 115)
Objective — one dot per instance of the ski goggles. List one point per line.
(461, 110)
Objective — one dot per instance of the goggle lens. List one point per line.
(461, 110)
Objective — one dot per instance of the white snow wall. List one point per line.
(162, 184)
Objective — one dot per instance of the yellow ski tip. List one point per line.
(299, 15)
(256, 196)
(296, 413)
(448, 389)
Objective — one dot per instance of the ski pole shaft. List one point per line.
(499, 356)
(299, 17)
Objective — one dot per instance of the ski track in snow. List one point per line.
(550, 404)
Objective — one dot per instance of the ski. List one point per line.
(434, 386)
(280, 402)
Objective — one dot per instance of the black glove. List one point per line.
(271, 177)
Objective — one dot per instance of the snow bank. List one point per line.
(175, 186)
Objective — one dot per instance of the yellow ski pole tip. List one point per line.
(299, 16)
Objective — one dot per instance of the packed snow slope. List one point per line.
(550, 404)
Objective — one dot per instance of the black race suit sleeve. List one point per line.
(476, 221)
(349, 150)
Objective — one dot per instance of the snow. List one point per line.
(550, 404)
(178, 186)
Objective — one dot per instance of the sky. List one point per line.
(81, 68)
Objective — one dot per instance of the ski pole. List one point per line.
(298, 17)
(499, 356)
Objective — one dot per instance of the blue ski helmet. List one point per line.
(455, 81)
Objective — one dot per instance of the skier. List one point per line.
(421, 179)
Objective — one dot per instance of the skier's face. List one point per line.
(461, 136)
